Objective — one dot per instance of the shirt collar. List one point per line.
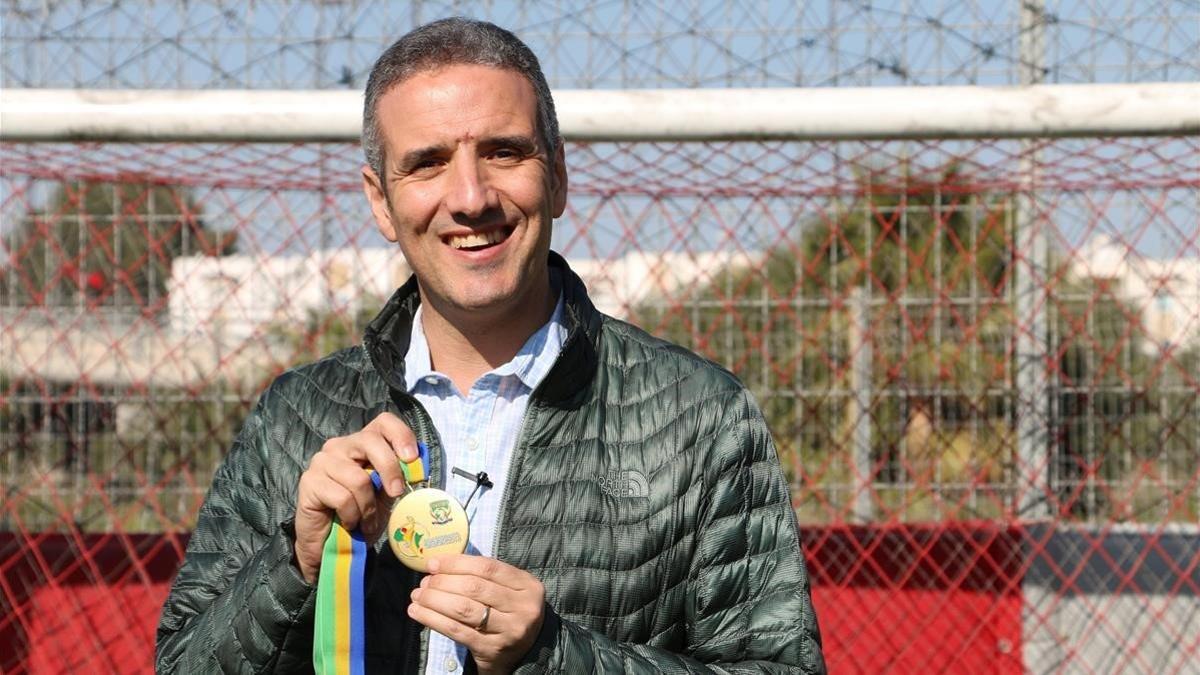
(531, 363)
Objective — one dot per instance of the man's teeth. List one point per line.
(474, 240)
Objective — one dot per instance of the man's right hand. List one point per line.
(336, 483)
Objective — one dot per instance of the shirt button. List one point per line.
(451, 664)
(430, 379)
(471, 444)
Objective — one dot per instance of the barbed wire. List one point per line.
(626, 43)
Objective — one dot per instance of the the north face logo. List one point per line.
(624, 484)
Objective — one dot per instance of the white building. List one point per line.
(236, 297)
(241, 295)
(1166, 293)
(617, 286)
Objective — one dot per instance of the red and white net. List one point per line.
(879, 298)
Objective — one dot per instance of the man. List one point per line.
(637, 518)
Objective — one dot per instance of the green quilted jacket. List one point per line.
(644, 492)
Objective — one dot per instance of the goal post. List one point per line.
(1050, 111)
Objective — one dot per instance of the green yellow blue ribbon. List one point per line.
(339, 642)
(339, 635)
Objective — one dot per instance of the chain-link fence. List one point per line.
(980, 359)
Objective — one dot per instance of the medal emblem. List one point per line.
(424, 524)
(439, 511)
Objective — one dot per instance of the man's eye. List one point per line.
(426, 164)
(505, 153)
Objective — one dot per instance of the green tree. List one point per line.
(919, 267)
(106, 243)
(924, 259)
(1125, 421)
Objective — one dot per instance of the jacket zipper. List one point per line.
(424, 432)
(518, 448)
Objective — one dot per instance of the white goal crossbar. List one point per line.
(642, 115)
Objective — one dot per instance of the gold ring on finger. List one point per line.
(487, 612)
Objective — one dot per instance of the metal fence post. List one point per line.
(1032, 386)
(860, 405)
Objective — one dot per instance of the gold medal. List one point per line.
(426, 523)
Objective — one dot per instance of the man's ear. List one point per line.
(374, 188)
(559, 177)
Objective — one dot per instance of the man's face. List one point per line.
(471, 192)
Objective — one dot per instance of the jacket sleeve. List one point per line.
(238, 603)
(750, 605)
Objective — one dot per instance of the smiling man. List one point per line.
(635, 518)
(468, 187)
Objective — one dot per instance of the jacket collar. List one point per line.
(386, 338)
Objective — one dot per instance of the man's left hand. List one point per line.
(452, 601)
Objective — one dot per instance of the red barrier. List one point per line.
(96, 609)
(866, 630)
(877, 630)
(913, 598)
(87, 637)
(909, 598)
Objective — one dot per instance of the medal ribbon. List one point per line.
(339, 638)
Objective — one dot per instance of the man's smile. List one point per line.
(478, 241)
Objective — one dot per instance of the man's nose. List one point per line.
(469, 193)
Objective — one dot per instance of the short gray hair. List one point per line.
(446, 42)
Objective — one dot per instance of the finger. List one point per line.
(313, 522)
(308, 502)
(314, 516)
(367, 449)
(469, 586)
(335, 450)
(403, 445)
(458, 631)
(332, 496)
(491, 569)
(357, 482)
(460, 608)
(340, 462)
(398, 434)
(382, 457)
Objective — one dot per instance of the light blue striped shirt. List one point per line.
(478, 431)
